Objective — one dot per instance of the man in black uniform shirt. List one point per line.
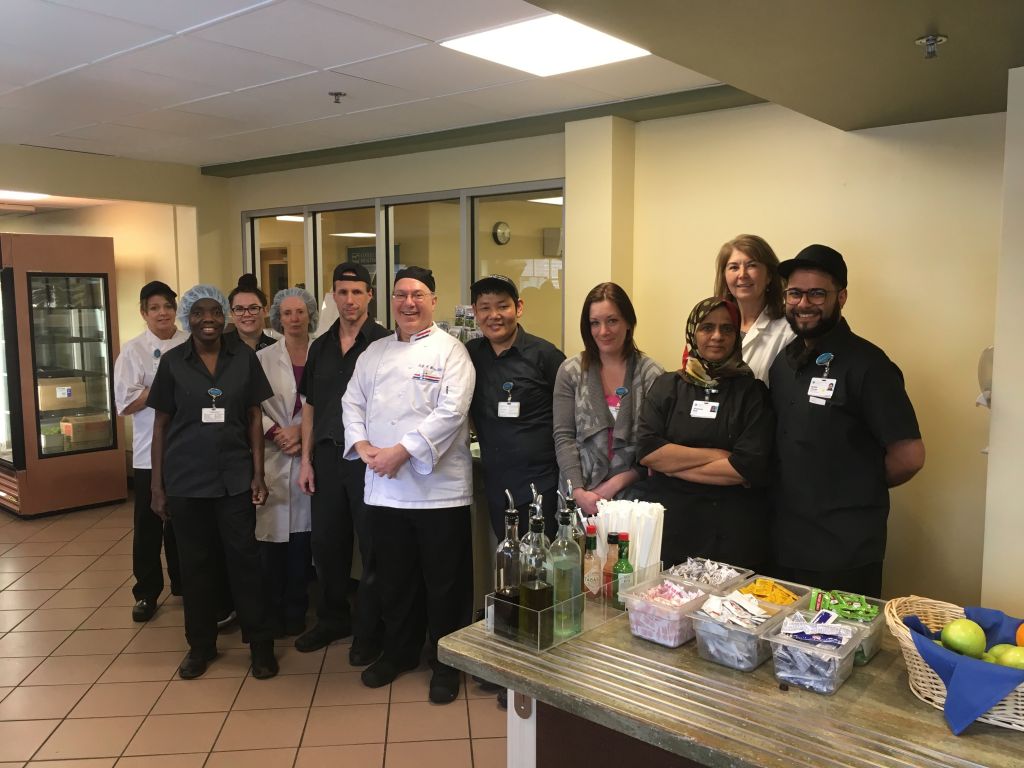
(511, 410)
(846, 433)
(336, 484)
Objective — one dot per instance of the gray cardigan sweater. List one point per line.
(582, 419)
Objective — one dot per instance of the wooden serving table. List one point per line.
(665, 706)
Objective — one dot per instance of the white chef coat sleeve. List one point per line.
(353, 405)
(129, 379)
(436, 433)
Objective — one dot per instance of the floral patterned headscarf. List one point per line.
(704, 373)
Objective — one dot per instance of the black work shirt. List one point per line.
(208, 460)
(832, 499)
(722, 522)
(515, 452)
(262, 342)
(327, 374)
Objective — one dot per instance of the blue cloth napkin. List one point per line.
(973, 686)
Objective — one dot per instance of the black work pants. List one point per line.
(286, 578)
(339, 489)
(422, 552)
(149, 535)
(863, 580)
(208, 530)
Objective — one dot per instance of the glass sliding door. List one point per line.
(347, 235)
(429, 235)
(280, 253)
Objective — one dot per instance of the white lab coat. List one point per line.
(763, 342)
(287, 509)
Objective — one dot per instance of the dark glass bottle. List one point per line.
(536, 593)
(507, 576)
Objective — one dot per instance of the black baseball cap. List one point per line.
(493, 284)
(819, 257)
(425, 276)
(156, 288)
(349, 270)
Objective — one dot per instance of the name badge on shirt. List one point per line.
(213, 415)
(704, 409)
(822, 388)
(508, 410)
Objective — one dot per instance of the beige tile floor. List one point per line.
(82, 685)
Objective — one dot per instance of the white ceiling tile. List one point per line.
(67, 37)
(310, 34)
(173, 16)
(424, 116)
(19, 126)
(434, 71)
(534, 97)
(222, 66)
(21, 65)
(71, 101)
(149, 88)
(70, 143)
(438, 19)
(183, 123)
(646, 76)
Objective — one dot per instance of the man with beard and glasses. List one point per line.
(846, 434)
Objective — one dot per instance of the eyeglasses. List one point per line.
(814, 295)
(418, 296)
(252, 309)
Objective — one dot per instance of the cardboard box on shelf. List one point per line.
(86, 429)
(61, 393)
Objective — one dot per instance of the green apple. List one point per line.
(988, 657)
(999, 650)
(964, 636)
(1012, 657)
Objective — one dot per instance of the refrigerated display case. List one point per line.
(61, 444)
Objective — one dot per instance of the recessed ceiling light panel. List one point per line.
(548, 200)
(549, 45)
(10, 194)
(290, 218)
(353, 234)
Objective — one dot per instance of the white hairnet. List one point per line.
(307, 298)
(194, 294)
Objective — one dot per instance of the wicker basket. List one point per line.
(924, 683)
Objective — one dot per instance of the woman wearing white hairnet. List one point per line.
(283, 523)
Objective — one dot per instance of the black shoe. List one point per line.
(383, 672)
(503, 698)
(143, 610)
(294, 627)
(194, 663)
(361, 654)
(226, 621)
(444, 684)
(320, 636)
(264, 665)
(486, 685)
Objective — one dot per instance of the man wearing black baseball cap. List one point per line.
(846, 433)
(134, 370)
(335, 484)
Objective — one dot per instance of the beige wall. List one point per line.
(915, 209)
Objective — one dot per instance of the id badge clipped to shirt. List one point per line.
(508, 409)
(820, 390)
(704, 409)
(213, 415)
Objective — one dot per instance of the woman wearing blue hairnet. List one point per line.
(207, 458)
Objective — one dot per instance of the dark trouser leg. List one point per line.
(446, 560)
(274, 567)
(146, 540)
(369, 627)
(399, 581)
(331, 537)
(236, 521)
(195, 529)
(296, 576)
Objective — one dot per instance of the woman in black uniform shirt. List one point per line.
(208, 474)
(707, 432)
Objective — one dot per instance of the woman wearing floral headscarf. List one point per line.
(707, 432)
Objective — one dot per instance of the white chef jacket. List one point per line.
(763, 342)
(287, 509)
(416, 393)
(134, 370)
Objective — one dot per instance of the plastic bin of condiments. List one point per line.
(656, 613)
(803, 663)
(852, 610)
(696, 569)
(787, 594)
(731, 645)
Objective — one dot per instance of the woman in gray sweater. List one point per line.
(598, 398)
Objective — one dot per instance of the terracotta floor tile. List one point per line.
(103, 534)
(95, 548)
(54, 618)
(70, 670)
(42, 580)
(262, 729)
(203, 695)
(170, 734)
(94, 579)
(283, 691)
(429, 754)
(489, 753)
(13, 671)
(10, 564)
(4, 692)
(12, 601)
(354, 724)
(293, 662)
(6, 579)
(10, 619)
(118, 700)
(486, 719)
(168, 616)
(12, 535)
(95, 641)
(15, 644)
(79, 598)
(90, 762)
(150, 639)
(263, 758)
(34, 549)
(475, 691)
(339, 688)
(194, 760)
(336, 658)
(20, 740)
(362, 755)
(41, 703)
(111, 562)
(140, 667)
(94, 737)
(415, 686)
(122, 547)
(229, 663)
(423, 721)
(121, 596)
(112, 617)
(67, 563)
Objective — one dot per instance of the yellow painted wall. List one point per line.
(915, 209)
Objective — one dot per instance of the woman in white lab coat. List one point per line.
(283, 523)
